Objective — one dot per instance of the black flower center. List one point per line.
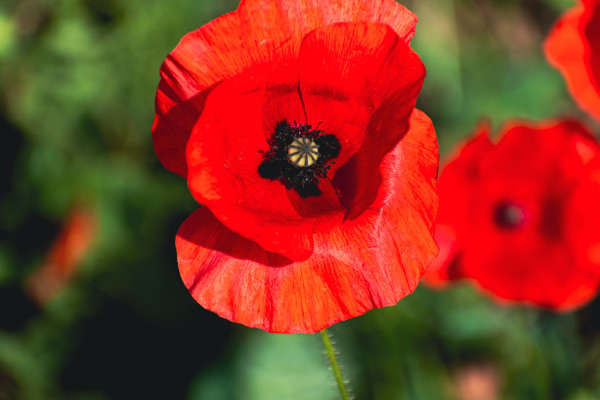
(299, 157)
(509, 216)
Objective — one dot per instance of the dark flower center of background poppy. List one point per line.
(299, 157)
(509, 216)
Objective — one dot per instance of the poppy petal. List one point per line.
(581, 227)
(258, 31)
(406, 203)
(372, 261)
(569, 51)
(464, 173)
(173, 124)
(223, 155)
(349, 80)
(440, 271)
(238, 280)
(592, 35)
(515, 266)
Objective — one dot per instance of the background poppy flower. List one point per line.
(65, 255)
(573, 46)
(520, 218)
(284, 245)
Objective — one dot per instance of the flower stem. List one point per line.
(337, 373)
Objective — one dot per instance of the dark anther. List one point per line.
(509, 216)
(299, 157)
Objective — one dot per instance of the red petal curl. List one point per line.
(372, 261)
(465, 173)
(360, 81)
(223, 155)
(573, 47)
(258, 32)
(462, 169)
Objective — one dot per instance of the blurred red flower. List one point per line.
(294, 124)
(573, 47)
(520, 218)
(64, 257)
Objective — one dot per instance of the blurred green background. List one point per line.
(77, 84)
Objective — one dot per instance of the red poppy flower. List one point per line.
(520, 218)
(294, 124)
(573, 47)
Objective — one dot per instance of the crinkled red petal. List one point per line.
(461, 170)
(223, 156)
(360, 82)
(259, 32)
(173, 125)
(372, 261)
(575, 54)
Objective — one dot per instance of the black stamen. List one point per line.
(299, 157)
(509, 216)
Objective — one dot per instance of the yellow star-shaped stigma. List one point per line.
(303, 152)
